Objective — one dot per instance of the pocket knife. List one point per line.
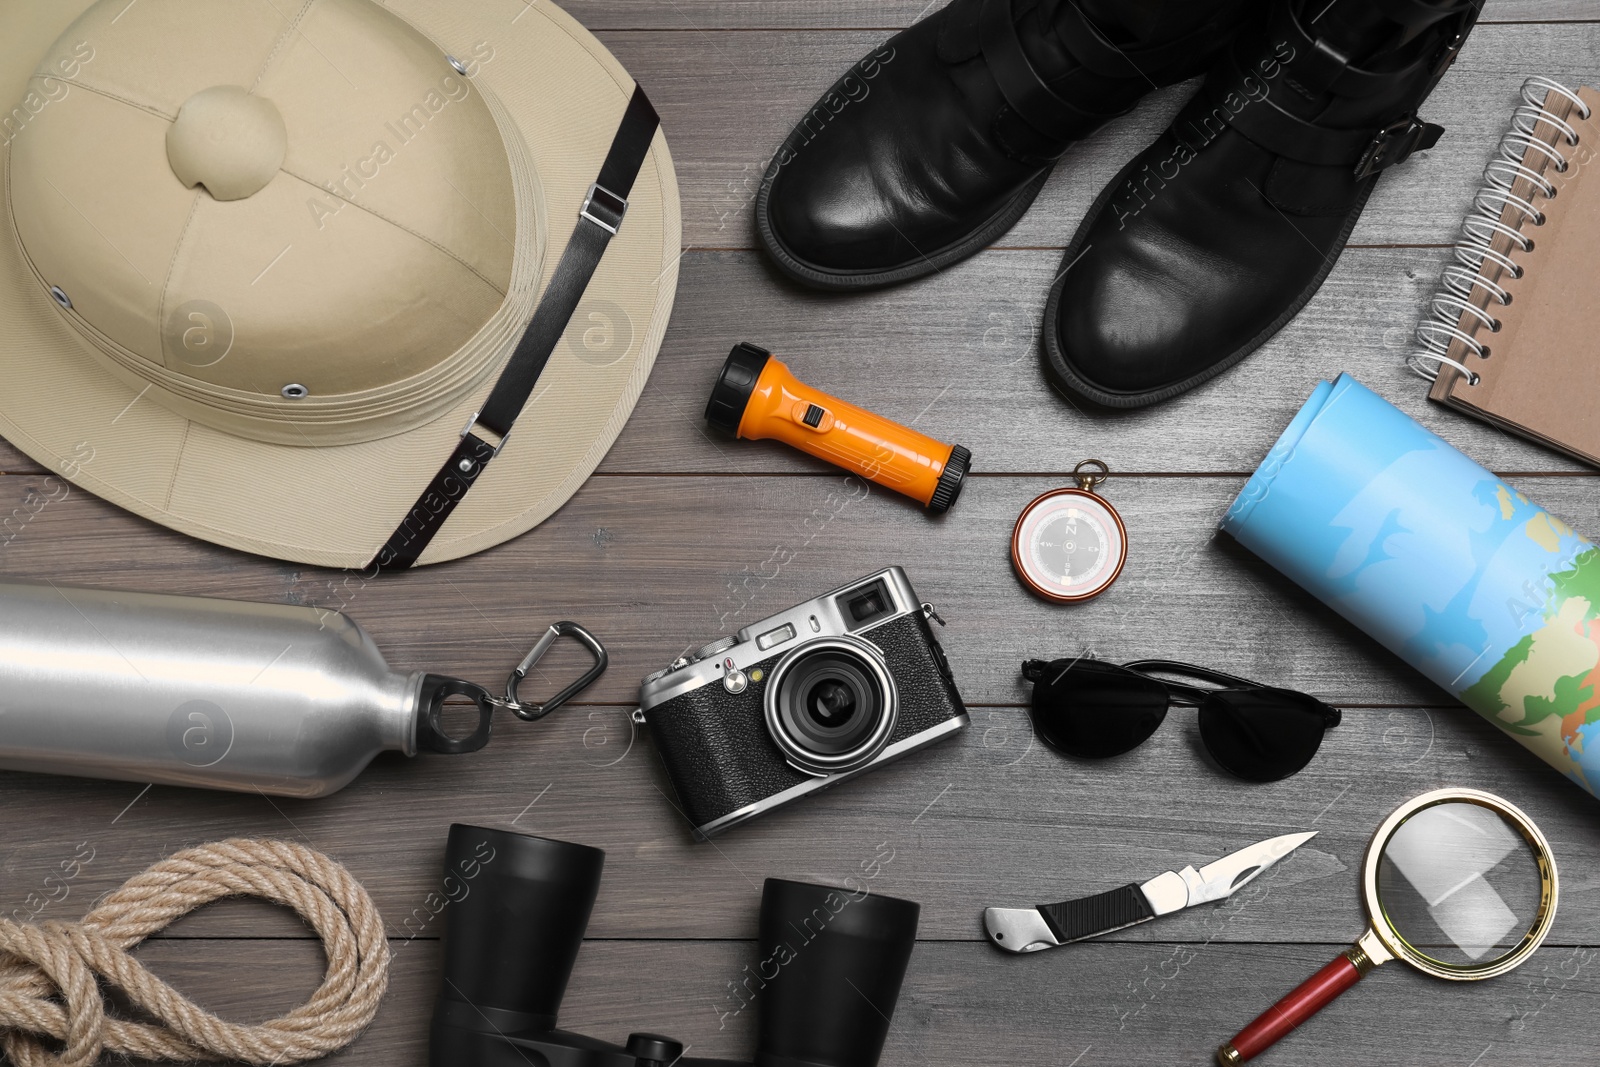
(1049, 925)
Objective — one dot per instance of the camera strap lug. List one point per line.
(928, 612)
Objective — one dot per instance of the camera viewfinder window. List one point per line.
(868, 605)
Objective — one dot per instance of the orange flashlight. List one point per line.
(757, 398)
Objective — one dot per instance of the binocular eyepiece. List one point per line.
(832, 961)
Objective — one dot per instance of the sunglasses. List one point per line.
(1095, 710)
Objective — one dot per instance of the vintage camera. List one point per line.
(800, 701)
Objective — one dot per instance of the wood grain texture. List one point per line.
(1090, 1005)
(700, 16)
(988, 818)
(977, 323)
(728, 101)
(1541, 10)
(636, 559)
(957, 356)
(684, 536)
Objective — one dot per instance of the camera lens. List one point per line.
(831, 705)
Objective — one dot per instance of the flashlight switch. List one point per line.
(812, 416)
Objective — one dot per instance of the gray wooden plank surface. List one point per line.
(728, 100)
(1088, 1006)
(989, 818)
(692, 16)
(1361, 320)
(957, 355)
(657, 579)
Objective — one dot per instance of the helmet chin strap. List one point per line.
(487, 431)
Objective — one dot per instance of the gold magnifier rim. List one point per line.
(1549, 886)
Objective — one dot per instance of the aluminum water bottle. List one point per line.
(290, 701)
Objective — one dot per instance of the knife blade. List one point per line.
(1049, 925)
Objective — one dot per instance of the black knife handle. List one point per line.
(1074, 920)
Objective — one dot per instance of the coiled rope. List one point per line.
(47, 971)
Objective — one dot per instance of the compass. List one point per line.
(1069, 544)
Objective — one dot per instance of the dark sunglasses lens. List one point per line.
(1261, 735)
(1094, 710)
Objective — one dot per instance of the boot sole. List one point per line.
(1065, 380)
(831, 280)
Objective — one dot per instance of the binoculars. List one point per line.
(831, 964)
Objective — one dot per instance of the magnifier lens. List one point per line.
(1460, 885)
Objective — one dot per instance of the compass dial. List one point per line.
(1069, 545)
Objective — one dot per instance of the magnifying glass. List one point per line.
(1458, 883)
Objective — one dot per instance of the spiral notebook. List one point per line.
(1513, 335)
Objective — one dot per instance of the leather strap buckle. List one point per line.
(1395, 144)
(1447, 58)
(472, 424)
(604, 208)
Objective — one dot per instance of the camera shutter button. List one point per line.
(733, 679)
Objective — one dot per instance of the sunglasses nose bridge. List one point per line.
(1188, 696)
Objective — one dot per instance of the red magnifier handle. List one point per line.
(1312, 995)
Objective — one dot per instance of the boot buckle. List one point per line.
(1395, 144)
(1447, 58)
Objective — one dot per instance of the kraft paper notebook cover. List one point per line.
(1514, 336)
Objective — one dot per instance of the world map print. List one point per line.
(1452, 569)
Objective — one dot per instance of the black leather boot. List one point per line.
(935, 144)
(1219, 233)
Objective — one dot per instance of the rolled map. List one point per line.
(1443, 563)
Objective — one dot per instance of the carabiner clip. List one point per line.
(534, 712)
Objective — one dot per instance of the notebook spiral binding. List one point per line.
(1475, 251)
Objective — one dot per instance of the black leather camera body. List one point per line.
(802, 700)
